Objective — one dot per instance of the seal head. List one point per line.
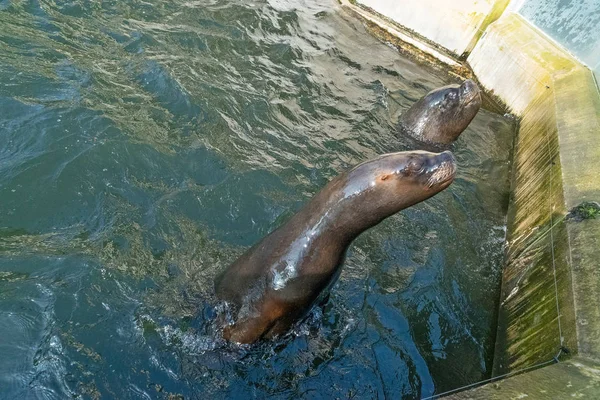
(392, 182)
(442, 114)
(276, 282)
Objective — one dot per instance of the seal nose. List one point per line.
(443, 170)
(437, 160)
(469, 88)
(447, 157)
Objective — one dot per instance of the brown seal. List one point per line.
(442, 114)
(277, 281)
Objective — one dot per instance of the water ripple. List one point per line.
(146, 145)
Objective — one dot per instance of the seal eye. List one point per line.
(415, 165)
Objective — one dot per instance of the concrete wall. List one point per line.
(573, 379)
(559, 105)
(575, 24)
(536, 315)
(551, 279)
(455, 25)
(578, 124)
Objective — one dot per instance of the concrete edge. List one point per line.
(578, 123)
(575, 378)
(401, 33)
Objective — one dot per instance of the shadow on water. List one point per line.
(146, 146)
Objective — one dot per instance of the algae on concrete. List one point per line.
(495, 13)
(578, 125)
(586, 210)
(405, 40)
(536, 315)
(576, 378)
(585, 244)
(516, 63)
(578, 122)
(454, 25)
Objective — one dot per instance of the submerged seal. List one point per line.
(277, 281)
(442, 114)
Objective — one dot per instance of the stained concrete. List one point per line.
(578, 122)
(398, 32)
(536, 315)
(585, 255)
(456, 25)
(577, 378)
(516, 63)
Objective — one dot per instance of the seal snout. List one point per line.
(470, 91)
(442, 169)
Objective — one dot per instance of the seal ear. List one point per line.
(384, 177)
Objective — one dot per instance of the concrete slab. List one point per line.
(574, 379)
(515, 62)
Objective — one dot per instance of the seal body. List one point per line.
(442, 114)
(276, 282)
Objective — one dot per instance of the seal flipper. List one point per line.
(246, 331)
(252, 328)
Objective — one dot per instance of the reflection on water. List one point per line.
(145, 146)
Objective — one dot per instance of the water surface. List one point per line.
(144, 146)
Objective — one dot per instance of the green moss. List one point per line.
(586, 210)
(536, 279)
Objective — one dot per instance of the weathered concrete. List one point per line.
(400, 33)
(585, 253)
(536, 314)
(458, 25)
(516, 63)
(578, 122)
(455, 25)
(572, 23)
(574, 379)
(556, 167)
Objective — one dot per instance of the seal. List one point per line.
(277, 281)
(442, 114)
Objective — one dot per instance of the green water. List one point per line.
(144, 146)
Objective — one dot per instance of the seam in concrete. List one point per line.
(596, 80)
(575, 378)
(497, 10)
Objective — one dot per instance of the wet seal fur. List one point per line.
(442, 114)
(276, 282)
